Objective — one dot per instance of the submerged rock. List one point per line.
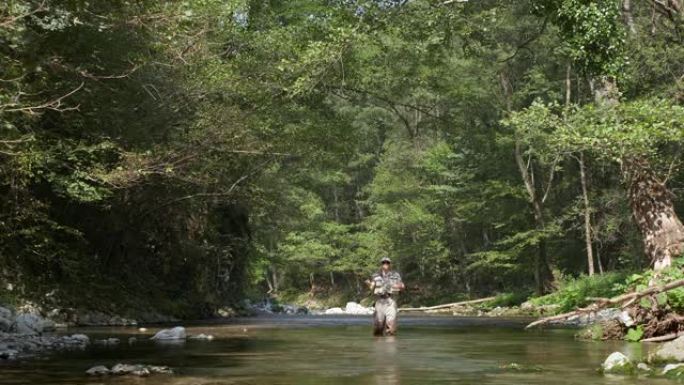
(128, 369)
(177, 333)
(108, 342)
(206, 337)
(618, 363)
(672, 351)
(642, 367)
(13, 346)
(99, 370)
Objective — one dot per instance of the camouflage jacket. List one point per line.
(382, 283)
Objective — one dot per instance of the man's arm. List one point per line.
(399, 284)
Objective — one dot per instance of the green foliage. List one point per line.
(635, 334)
(182, 151)
(573, 292)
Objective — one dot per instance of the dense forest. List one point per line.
(187, 154)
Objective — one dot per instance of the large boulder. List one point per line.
(6, 319)
(672, 351)
(177, 333)
(618, 363)
(28, 323)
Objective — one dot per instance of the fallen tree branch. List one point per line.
(630, 298)
(666, 337)
(447, 305)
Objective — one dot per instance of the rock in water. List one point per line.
(335, 310)
(618, 363)
(122, 369)
(177, 333)
(27, 323)
(99, 370)
(673, 370)
(672, 351)
(206, 337)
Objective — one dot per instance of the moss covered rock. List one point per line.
(618, 363)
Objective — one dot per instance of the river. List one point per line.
(341, 351)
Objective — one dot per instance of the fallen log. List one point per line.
(666, 337)
(629, 298)
(448, 305)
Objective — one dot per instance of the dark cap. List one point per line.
(385, 259)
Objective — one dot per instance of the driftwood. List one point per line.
(666, 337)
(448, 305)
(624, 301)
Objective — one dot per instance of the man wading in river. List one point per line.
(385, 284)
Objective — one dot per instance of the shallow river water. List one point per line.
(341, 351)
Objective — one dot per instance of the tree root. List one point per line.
(623, 301)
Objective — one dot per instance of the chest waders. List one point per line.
(385, 314)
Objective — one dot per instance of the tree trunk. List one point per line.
(653, 210)
(628, 17)
(542, 271)
(587, 216)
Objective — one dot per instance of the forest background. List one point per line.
(185, 155)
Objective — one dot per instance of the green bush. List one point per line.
(507, 299)
(573, 292)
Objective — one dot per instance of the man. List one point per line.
(385, 285)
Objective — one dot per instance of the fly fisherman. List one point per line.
(385, 284)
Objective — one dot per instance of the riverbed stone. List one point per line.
(202, 336)
(122, 369)
(673, 370)
(177, 333)
(643, 367)
(99, 370)
(617, 363)
(160, 369)
(27, 323)
(108, 341)
(672, 351)
(335, 310)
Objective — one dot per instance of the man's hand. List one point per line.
(398, 286)
(369, 283)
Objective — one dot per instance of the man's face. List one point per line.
(386, 266)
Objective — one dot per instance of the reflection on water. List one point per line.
(341, 351)
(385, 358)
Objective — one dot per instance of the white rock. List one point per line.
(121, 369)
(625, 319)
(643, 367)
(355, 308)
(177, 333)
(615, 361)
(160, 369)
(141, 372)
(669, 351)
(202, 336)
(82, 338)
(99, 370)
(669, 367)
(335, 310)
